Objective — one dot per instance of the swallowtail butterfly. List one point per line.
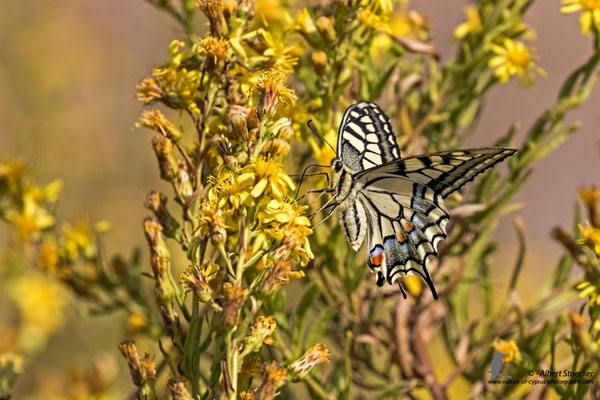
(396, 203)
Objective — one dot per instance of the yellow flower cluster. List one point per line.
(514, 58)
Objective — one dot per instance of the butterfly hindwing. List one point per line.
(403, 234)
(366, 138)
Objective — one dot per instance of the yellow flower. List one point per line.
(198, 281)
(216, 49)
(288, 227)
(269, 179)
(514, 58)
(270, 11)
(591, 236)
(282, 212)
(11, 172)
(270, 85)
(589, 15)
(280, 56)
(41, 303)
(136, 323)
(471, 26)
(506, 347)
(304, 23)
(314, 356)
(587, 289)
(260, 333)
(178, 86)
(369, 18)
(32, 218)
(78, 238)
(231, 191)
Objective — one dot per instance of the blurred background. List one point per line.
(68, 71)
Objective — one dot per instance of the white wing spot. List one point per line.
(370, 127)
(356, 128)
(386, 128)
(374, 158)
(367, 164)
(391, 139)
(395, 152)
(366, 119)
(382, 118)
(373, 147)
(354, 114)
(357, 144)
(371, 137)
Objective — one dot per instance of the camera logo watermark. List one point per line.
(496, 365)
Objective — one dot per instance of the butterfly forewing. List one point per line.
(443, 172)
(366, 138)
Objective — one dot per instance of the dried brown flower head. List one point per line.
(273, 378)
(233, 301)
(148, 91)
(314, 356)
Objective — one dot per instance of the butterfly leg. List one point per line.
(334, 205)
(327, 205)
(322, 191)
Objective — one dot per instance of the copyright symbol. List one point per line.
(531, 372)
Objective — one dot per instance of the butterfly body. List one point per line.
(396, 204)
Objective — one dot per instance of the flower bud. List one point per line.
(162, 148)
(223, 147)
(591, 198)
(239, 127)
(157, 203)
(325, 27)
(286, 133)
(183, 180)
(319, 62)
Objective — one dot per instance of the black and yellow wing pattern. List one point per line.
(395, 203)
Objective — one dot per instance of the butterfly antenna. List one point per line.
(304, 174)
(314, 131)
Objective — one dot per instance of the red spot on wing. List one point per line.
(377, 259)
